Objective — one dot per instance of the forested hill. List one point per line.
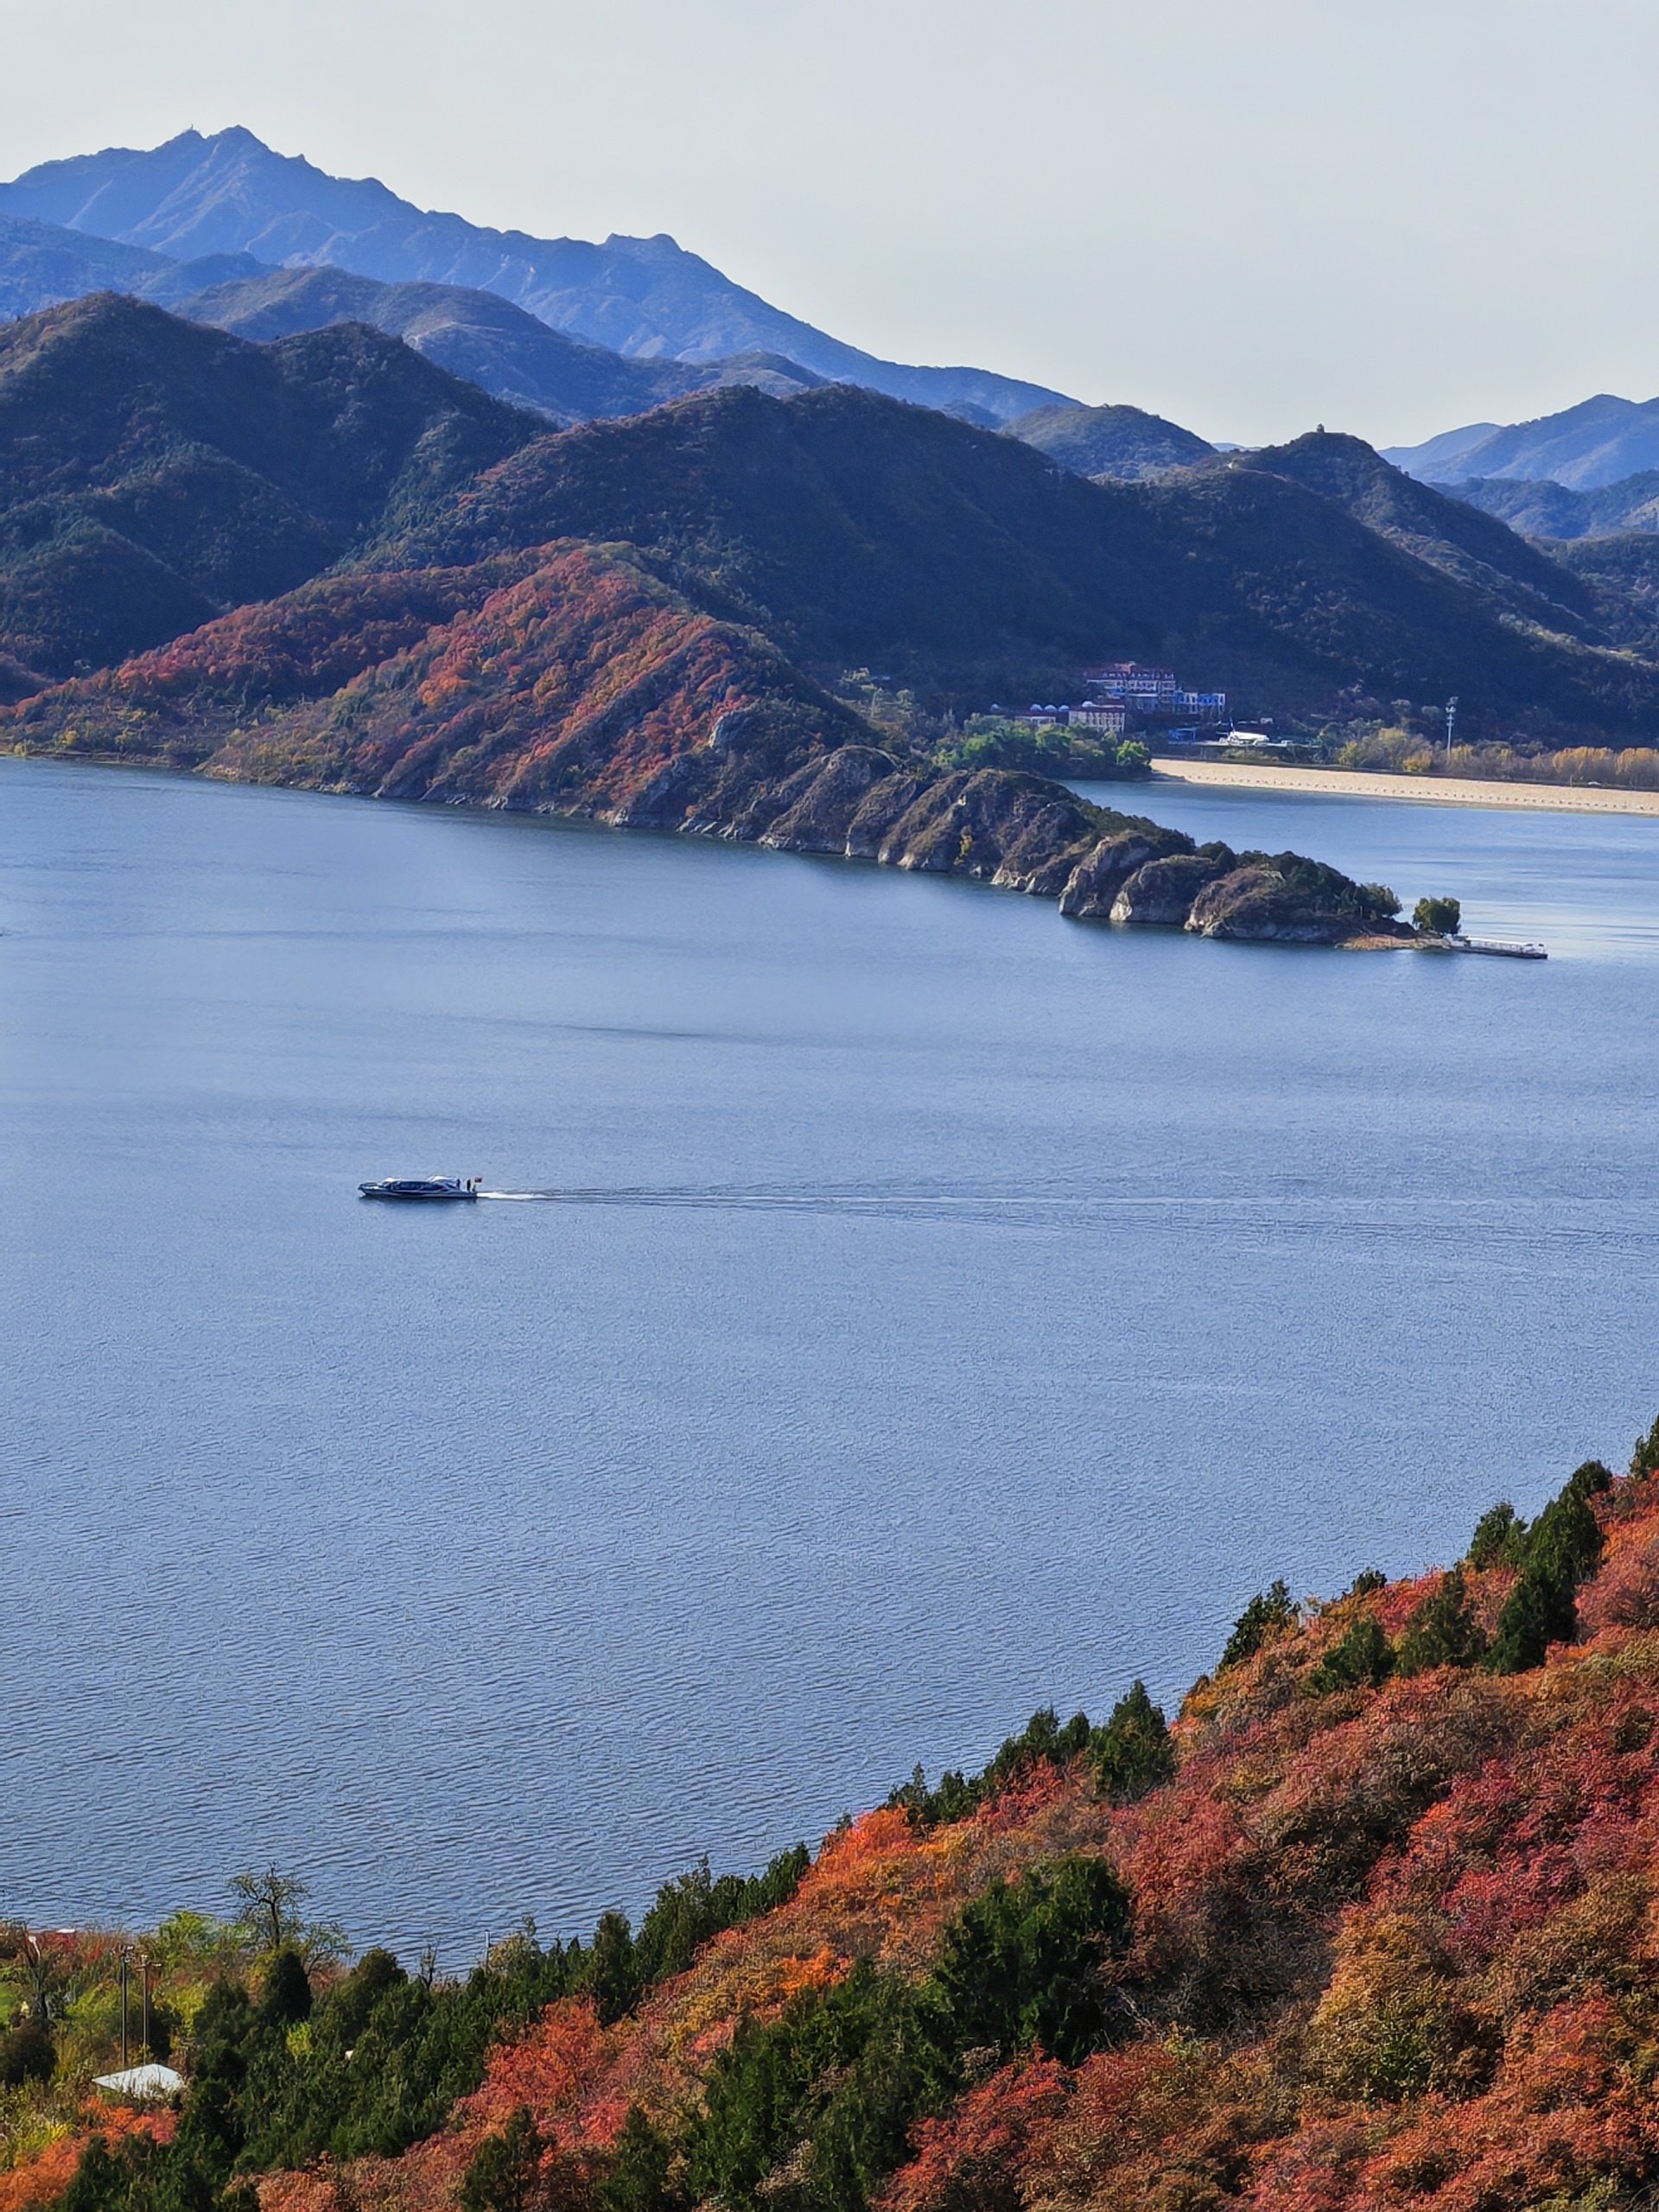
(1124, 443)
(153, 475)
(1440, 528)
(1369, 1925)
(863, 533)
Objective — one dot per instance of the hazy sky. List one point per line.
(1392, 216)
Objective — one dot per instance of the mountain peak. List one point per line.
(649, 299)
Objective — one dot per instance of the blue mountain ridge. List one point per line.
(647, 299)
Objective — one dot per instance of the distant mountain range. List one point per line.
(647, 299)
(155, 473)
(1550, 510)
(1598, 442)
(501, 348)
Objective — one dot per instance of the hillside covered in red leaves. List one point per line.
(1374, 1924)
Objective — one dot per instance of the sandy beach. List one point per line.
(1425, 791)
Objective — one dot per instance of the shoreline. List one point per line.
(1423, 791)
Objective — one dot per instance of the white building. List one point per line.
(1153, 692)
(1106, 717)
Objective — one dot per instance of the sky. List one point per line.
(1389, 216)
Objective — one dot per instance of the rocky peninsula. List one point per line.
(570, 682)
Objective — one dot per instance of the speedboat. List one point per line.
(421, 1187)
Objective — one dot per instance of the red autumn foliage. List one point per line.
(1392, 1946)
(564, 677)
(41, 2180)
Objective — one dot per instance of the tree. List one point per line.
(1133, 1752)
(1358, 1659)
(506, 2171)
(637, 2178)
(614, 1972)
(1442, 1630)
(270, 1904)
(286, 1999)
(1563, 1547)
(43, 1969)
(26, 2055)
(1438, 916)
(1022, 1963)
(1644, 1460)
(1269, 1613)
(1500, 1538)
(270, 1917)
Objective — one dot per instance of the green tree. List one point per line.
(26, 2055)
(1644, 1460)
(1563, 1547)
(1269, 1613)
(614, 1971)
(695, 1906)
(1438, 916)
(505, 2174)
(1022, 1964)
(1360, 1657)
(286, 1998)
(1442, 1630)
(637, 2178)
(1500, 1538)
(1133, 1752)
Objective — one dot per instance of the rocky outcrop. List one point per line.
(1289, 900)
(1092, 887)
(1160, 894)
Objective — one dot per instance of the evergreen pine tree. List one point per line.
(1268, 1614)
(1359, 1658)
(506, 2172)
(1500, 1538)
(637, 2178)
(1133, 1752)
(1442, 1630)
(612, 1971)
(286, 1998)
(1563, 1548)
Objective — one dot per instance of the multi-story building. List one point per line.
(1106, 717)
(1153, 692)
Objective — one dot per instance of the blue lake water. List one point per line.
(955, 1309)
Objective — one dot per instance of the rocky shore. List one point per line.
(1017, 832)
(568, 682)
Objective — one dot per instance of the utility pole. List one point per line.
(124, 2007)
(143, 2016)
(1451, 724)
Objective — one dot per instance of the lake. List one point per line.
(949, 1310)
